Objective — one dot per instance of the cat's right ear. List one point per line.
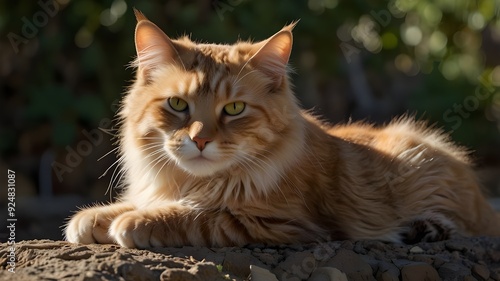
(154, 48)
(272, 55)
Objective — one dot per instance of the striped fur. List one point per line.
(273, 174)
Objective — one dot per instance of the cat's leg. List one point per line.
(428, 228)
(91, 225)
(178, 225)
(171, 225)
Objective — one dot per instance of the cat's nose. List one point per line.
(201, 142)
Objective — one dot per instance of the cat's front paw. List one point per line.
(135, 230)
(87, 227)
(92, 225)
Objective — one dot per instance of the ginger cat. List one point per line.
(216, 152)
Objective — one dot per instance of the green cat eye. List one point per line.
(234, 108)
(177, 104)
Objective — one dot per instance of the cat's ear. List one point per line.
(154, 48)
(271, 55)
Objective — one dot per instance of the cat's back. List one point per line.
(398, 137)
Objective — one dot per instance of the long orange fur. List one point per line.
(272, 173)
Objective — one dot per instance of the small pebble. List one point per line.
(326, 274)
(401, 262)
(416, 250)
(418, 272)
(453, 271)
(347, 244)
(269, 251)
(259, 273)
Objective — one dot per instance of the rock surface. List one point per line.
(475, 258)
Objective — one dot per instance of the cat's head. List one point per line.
(208, 108)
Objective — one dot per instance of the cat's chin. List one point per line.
(201, 166)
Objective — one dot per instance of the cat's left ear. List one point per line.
(272, 55)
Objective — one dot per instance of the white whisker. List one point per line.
(238, 80)
(159, 170)
(111, 151)
(241, 69)
(107, 170)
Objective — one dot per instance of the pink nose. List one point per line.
(201, 142)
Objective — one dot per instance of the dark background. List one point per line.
(63, 70)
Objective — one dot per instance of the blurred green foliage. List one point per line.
(422, 56)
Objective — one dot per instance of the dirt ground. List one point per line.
(476, 258)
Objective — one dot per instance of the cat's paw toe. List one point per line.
(429, 229)
(79, 230)
(133, 230)
(88, 227)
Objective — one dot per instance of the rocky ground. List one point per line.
(459, 259)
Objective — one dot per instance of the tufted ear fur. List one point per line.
(271, 55)
(154, 48)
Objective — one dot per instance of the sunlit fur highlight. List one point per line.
(274, 174)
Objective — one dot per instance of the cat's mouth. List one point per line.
(200, 157)
(200, 165)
